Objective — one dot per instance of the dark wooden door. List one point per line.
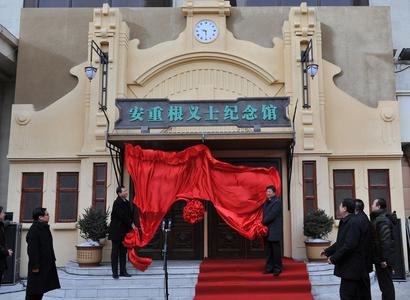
(185, 241)
(225, 242)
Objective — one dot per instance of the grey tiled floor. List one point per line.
(402, 292)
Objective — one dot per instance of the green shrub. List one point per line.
(317, 224)
(93, 224)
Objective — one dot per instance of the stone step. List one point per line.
(12, 288)
(171, 297)
(323, 281)
(319, 267)
(121, 292)
(156, 268)
(96, 282)
(140, 280)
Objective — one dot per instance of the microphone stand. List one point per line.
(166, 228)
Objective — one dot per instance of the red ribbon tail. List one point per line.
(141, 263)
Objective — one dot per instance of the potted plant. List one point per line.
(316, 226)
(93, 226)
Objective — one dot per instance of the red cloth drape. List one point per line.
(161, 178)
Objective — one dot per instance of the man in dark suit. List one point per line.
(384, 251)
(273, 219)
(121, 224)
(4, 252)
(42, 271)
(346, 254)
(366, 247)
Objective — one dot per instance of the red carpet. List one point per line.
(238, 279)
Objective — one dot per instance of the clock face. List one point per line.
(206, 31)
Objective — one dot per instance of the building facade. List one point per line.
(400, 10)
(9, 32)
(343, 139)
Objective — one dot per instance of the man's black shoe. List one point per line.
(115, 276)
(267, 272)
(125, 274)
(276, 273)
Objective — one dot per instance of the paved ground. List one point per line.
(402, 292)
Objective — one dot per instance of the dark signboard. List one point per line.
(163, 113)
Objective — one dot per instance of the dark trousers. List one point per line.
(1, 277)
(118, 252)
(273, 256)
(384, 277)
(34, 297)
(365, 292)
(355, 289)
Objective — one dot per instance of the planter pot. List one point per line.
(89, 256)
(314, 247)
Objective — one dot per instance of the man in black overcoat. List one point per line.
(4, 252)
(121, 224)
(42, 271)
(366, 246)
(384, 251)
(347, 255)
(273, 219)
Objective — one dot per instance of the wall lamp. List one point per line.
(91, 71)
(308, 69)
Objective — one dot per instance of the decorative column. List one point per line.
(301, 29)
(111, 34)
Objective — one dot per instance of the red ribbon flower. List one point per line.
(261, 230)
(194, 211)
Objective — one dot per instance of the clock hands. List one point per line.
(205, 31)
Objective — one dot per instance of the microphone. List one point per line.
(163, 225)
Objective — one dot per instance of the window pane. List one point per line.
(54, 3)
(343, 177)
(309, 189)
(308, 170)
(30, 3)
(379, 193)
(158, 3)
(257, 2)
(100, 205)
(336, 2)
(89, 3)
(100, 191)
(309, 203)
(341, 194)
(33, 181)
(67, 208)
(295, 2)
(128, 3)
(31, 200)
(100, 185)
(68, 181)
(309, 186)
(100, 172)
(378, 177)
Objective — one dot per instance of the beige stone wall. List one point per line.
(6, 101)
(50, 45)
(406, 186)
(65, 235)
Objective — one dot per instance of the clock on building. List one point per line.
(206, 31)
